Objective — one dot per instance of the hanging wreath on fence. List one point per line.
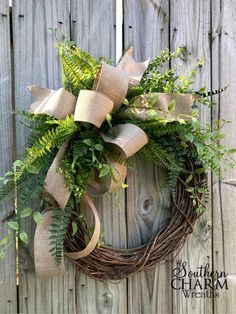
(81, 142)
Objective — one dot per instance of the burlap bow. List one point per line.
(92, 106)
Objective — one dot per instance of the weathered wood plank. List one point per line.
(224, 194)
(146, 28)
(93, 28)
(7, 266)
(36, 62)
(190, 28)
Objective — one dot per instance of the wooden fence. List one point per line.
(27, 56)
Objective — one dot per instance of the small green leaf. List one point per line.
(80, 216)
(2, 255)
(74, 228)
(190, 189)
(206, 136)
(124, 185)
(181, 121)
(13, 224)
(104, 170)
(189, 137)
(172, 105)
(183, 144)
(194, 202)
(33, 169)
(4, 241)
(24, 237)
(98, 147)
(189, 178)
(125, 102)
(200, 63)
(8, 174)
(232, 151)
(200, 209)
(201, 190)
(202, 90)
(87, 142)
(200, 170)
(37, 217)
(219, 136)
(109, 118)
(25, 212)
(94, 158)
(17, 163)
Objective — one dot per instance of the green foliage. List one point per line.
(158, 78)
(78, 68)
(86, 155)
(61, 131)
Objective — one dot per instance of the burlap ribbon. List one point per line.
(92, 106)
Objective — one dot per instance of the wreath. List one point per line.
(82, 140)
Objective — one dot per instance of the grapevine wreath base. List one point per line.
(109, 263)
(82, 137)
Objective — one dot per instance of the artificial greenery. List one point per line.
(174, 144)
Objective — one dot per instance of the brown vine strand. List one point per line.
(112, 263)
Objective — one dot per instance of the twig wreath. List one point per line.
(81, 140)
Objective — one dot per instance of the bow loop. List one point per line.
(92, 107)
(128, 137)
(113, 83)
(133, 70)
(59, 103)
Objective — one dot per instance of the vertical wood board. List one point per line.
(224, 192)
(146, 28)
(36, 62)
(190, 28)
(8, 298)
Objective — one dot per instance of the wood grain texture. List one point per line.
(224, 193)
(93, 28)
(190, 28)
(7, 266)
(36, 62)
(146, 28)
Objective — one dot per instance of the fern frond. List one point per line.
(33, 118)
(58, 229)
(157, 129)
(78, 68)
(45, 144)
(157, 154)
(25, 183)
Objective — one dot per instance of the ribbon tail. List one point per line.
(44, 262)
(39, 92)
(96, 234)
(54, 184)
(59, 103)
(134, 70)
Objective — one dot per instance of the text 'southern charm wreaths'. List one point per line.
(92, 106)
